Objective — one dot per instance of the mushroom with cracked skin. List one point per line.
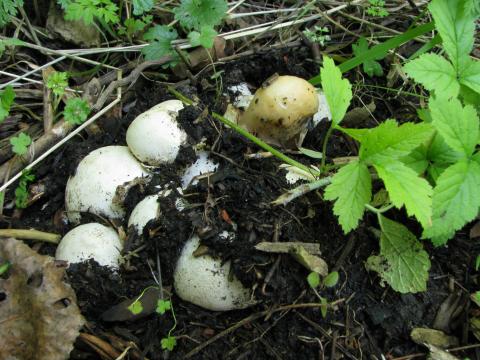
(280, 110)
(90, 241)
(205, 281)
(93, 187)
(154, 137)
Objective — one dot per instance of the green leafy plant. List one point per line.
(88, 10)
(437, 74)
(7, 96)
(21, 192)
(163, 306)
(160, 39)
(197, 17)
(8, 8)
(315, 282)
(142, 6)
(57, 82)
(20, 143)
(377, 8)
(371, 67)
(76, 111)
(317, 35)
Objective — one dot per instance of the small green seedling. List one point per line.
(314, 281)
(377, 8)
(57, 82)
(20, 143)
(330, 280)
(317, 35)
(21, 192)
(477, 263)
(7, 96)
(371, 67)
(169, 342)
(76, 111)
(197, 17)
(136, 307)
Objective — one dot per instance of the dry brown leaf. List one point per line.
(39, 317)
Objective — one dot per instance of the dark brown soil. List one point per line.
(368, 321)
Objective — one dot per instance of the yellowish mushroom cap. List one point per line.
(280, 110)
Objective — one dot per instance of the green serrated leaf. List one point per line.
(470, 75)
(435, 74)
(402, 262)
(456, 199)
(160, 38)
(457, 125)
(136, 307)
(163, 306)
(195, 14)
(405, 187)
(76, 111)
(417, 159)
(331, 279)
(456, 27)
(141, 6)
(440, 152)
(351, 188)
(203, 38)
(313, 280)
(337, 90)
(388, 141)
(20, 143)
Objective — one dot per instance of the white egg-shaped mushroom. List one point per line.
(205, 282)
(203, 165)
(90, 241)
(146, 210)
(154, 137)
(92, 189)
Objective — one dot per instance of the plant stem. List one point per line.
(31, 235)
(264, 145)
(180, 96)
(378, 211)
(324, 148)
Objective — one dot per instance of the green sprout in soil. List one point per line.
(315, 282)
(21, 192)
(317, 35)
(377, 8)
(163, 306)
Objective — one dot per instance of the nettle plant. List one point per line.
(430, 168)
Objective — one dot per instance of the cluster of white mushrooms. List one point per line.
(278, 113)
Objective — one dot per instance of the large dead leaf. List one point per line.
(39, 318)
